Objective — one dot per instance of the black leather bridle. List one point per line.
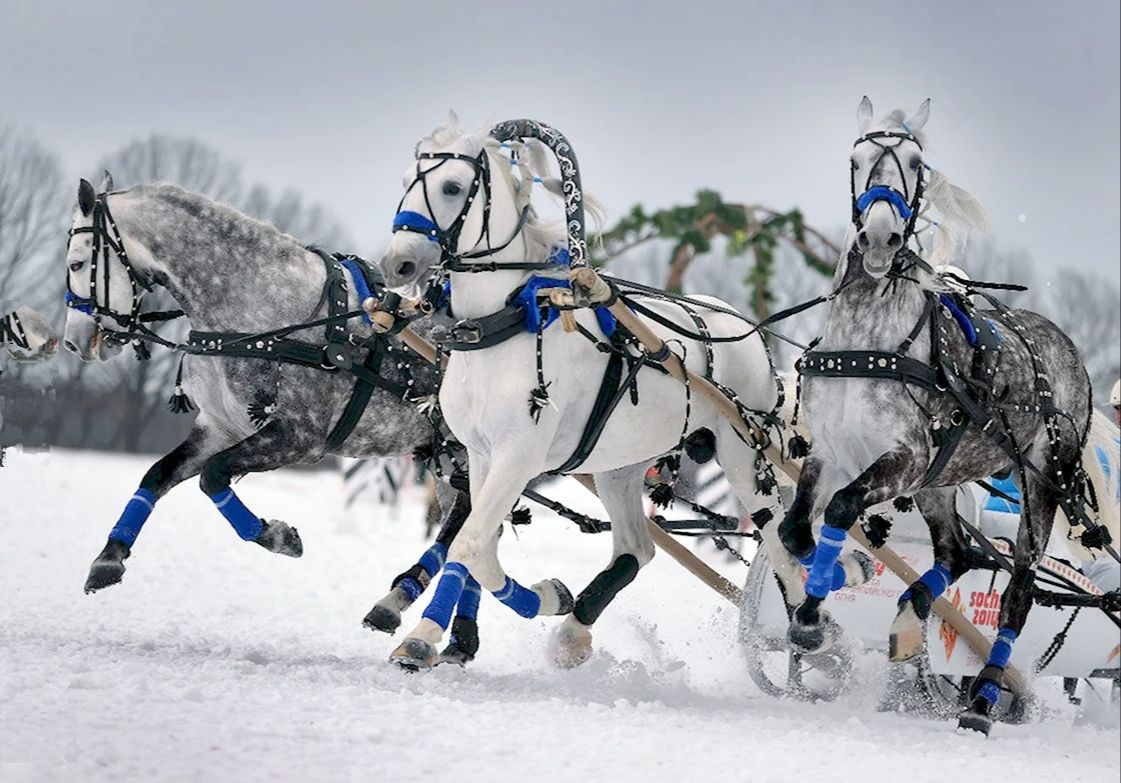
(907, 204)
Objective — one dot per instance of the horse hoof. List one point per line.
(382, 618)
(813, 634)
(976, 718)
(556, 599)
(571, 645)
(414, 655)
(463, 645)
(108, 568)
(859, 569)
(455, 654)
(907, 634)
(278, 537)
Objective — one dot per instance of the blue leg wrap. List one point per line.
(521, 599)
(244, 522)
(838, 569)
(469, 600)
(433, 559)
(411, 587)
(822, 572)
(998, 657)
(448, 591)
(136, 513)
(937, 579)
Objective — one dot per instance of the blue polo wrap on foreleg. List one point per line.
(468, 605)
(937, 579)
(823, 569)
(521, 599)
(433, 559)
(136, 513)
(838, 569)
(448, 591)
(244, 522)
(998, 657)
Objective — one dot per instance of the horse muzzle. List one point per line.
(408, 262)
(88, 340)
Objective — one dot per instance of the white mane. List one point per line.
(521, 166)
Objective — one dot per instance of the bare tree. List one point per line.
(32, 221)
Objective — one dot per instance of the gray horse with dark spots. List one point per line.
(912, 391)
(230, 273)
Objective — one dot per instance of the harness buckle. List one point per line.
(338, 355)
(465, 331)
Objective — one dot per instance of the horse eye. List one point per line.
(452, 188)
(916, 162)
(77, 265)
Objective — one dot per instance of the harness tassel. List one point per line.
(877, 528)
(263, 406)
(798, 447)
(521, 516)
(180, 402)
(904, 503)
(538, 399)
(662, 495)
(142, 351)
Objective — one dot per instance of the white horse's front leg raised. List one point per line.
(474, 554)
(621, 493)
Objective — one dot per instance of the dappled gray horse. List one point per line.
(911, 391)
(232, 274)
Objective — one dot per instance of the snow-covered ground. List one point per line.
(218, 661)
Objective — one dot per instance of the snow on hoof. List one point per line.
(571, 644)
(556, 599)
(277, 536)
(414, 655)
(976, 718)
(908, 633)
(859, 568)
(108, 568)
(812, 635)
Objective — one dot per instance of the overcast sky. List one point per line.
(756, 99)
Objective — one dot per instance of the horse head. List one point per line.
(887, 179)
(99, 284)
(467, 197)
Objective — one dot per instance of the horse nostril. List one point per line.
(70, 346)
(862, 240)
(895, 240)
(406, 269)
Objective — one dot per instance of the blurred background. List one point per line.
(716, 133)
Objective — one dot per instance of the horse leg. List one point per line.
(1016, 602)
(811, 628)
(494, 490)
(621, 493)
(183, 462)
(273, 446)
(385, 616)
(951, 560)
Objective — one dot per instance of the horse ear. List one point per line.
(916, 122)
(106, 182)
(864, 114)
(86, 197)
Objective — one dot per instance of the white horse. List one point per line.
(468, 197)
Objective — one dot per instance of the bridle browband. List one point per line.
(107, 239)
(906, 203)
(451, 260)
